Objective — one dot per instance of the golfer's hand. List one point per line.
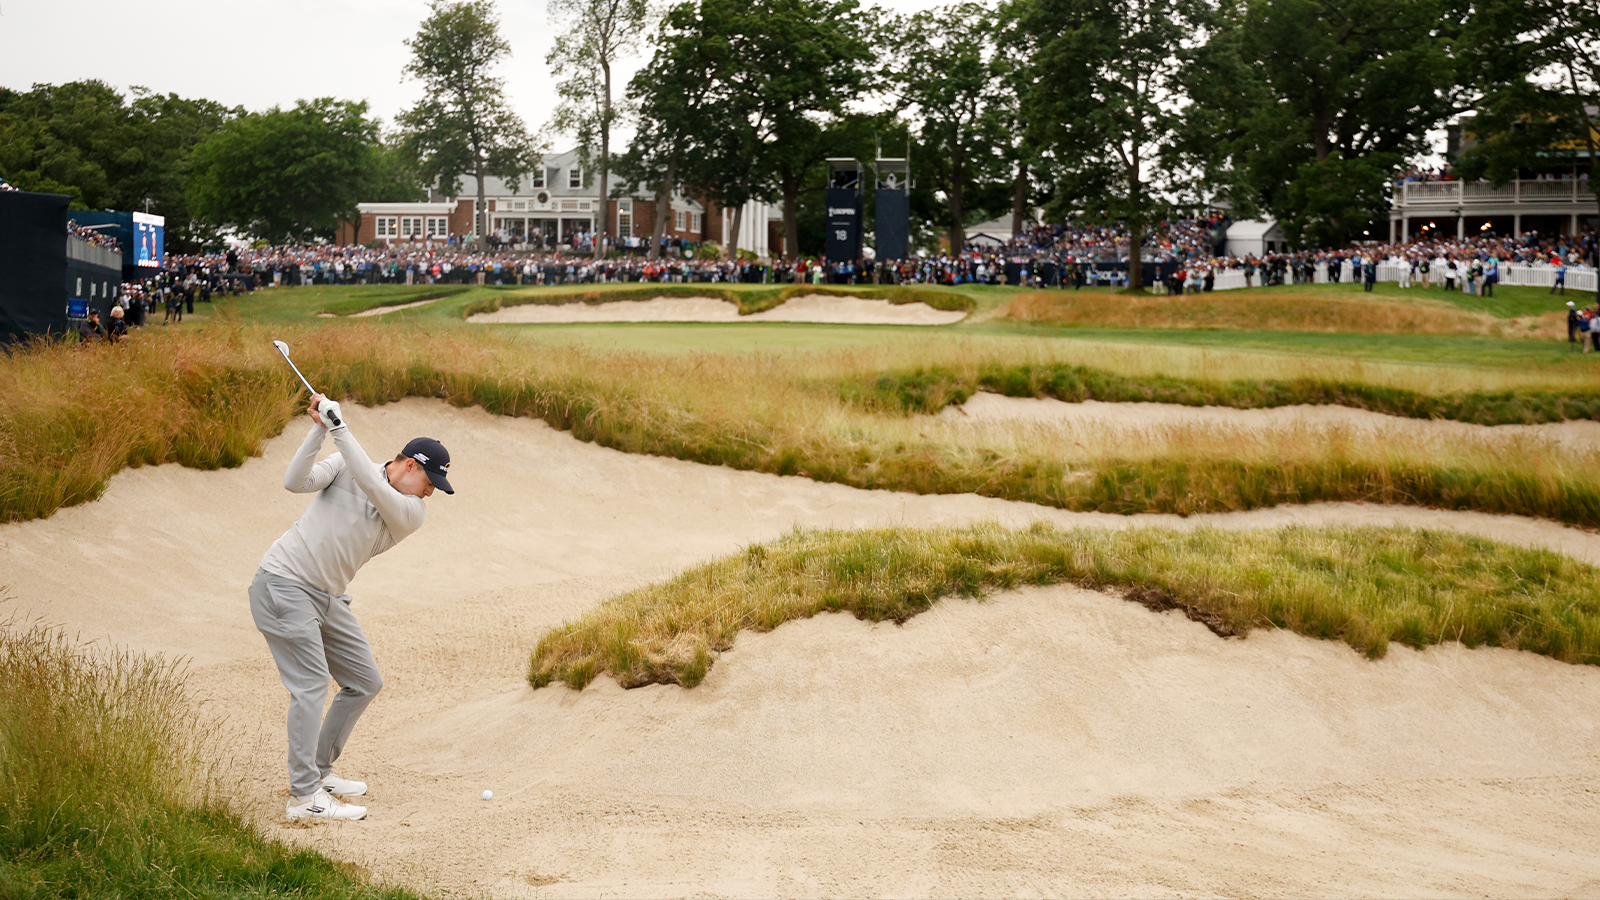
(316, 399)
(330, 413)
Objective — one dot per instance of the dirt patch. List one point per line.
(1157, 600)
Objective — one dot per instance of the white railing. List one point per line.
(1570, 190)
(1580, 279)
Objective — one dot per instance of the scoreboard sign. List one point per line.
(843, 240)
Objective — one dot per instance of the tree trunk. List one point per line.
(731, 241)
(791, 222)
(663, 205)
(1019, 199)
(480, 220)
(958, 233)
(605, 165)
(1135, 257)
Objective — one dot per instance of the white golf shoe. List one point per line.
(344, 787)
(323, 805)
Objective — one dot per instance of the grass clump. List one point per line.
(104, 788)
(929, 389)
(1367, 587)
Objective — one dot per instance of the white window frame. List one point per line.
(438, 226)
(694, 222)
(678, 220)
(411, 228)
(574, 178)
(624, 223)
(386, 226)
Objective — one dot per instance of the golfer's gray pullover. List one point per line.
(356, 515)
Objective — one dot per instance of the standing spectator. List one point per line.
(1574, 323)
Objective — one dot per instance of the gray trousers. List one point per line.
(313, 635)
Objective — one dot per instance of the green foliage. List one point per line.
(1303, 109)
(948, 72)
(1366, 587)
(103, 788)
(1103, 78)
(1540, 82)
(599, 33)
(463, 125)
(84, 139)
(292, 175)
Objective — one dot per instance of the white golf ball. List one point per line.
(488, 795)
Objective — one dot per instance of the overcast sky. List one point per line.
(263, 53)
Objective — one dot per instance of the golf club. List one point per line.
(284, 349)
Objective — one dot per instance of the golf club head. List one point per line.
(282, 348)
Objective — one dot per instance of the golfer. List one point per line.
(298, 601)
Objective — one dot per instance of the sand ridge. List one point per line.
(814, 308)
(1049, 741)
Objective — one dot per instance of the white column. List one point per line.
(1516, 224)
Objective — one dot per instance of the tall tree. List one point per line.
(85, 139)
(671, 94)
(1541, 88)
(599, 32)
(1103, 104)
(464, 124)
(947, 74)
(291, 174)
(1307, 107)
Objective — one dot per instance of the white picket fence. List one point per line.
(1580, 279)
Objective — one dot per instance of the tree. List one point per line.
(1307, 107)
(84, 139)
(671, 93)
(290, 174)
(946, 72)
(600, 32)
(464, 124)
(1102, 104)
(1541, 88)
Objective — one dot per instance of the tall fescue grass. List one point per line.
(106, 787)
(1282, 309)
(1367, 587)
(73, 416)
(748, 299)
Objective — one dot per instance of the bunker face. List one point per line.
(1045, 742)
(809, 308)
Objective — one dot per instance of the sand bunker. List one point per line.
(377, 310)
(808, 308)
(1050, 741)
(994, 409)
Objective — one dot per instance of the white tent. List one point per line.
(1254, 237)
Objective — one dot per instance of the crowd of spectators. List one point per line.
(91, 236)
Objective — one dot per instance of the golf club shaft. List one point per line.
(303, 380)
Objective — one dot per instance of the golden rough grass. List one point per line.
(1364, 586)
(1283, 310)
(71, 417)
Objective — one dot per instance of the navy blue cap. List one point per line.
(435, 460)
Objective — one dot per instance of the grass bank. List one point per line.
(749, 299)
(1284, 309)
(104, 788)
(71, 417)
(928, 390)
(1367, 587)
